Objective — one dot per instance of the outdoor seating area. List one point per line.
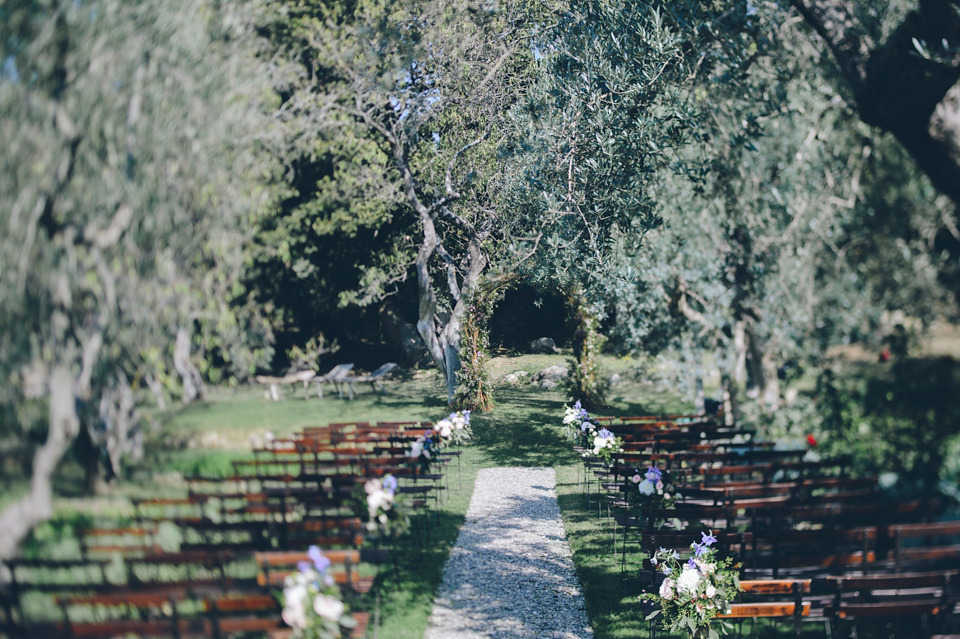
(812, 543)
(235, 540)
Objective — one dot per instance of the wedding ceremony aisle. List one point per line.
(511, 571)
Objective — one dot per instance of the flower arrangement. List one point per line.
(652, 488)
(455, 428)
(573, 417)
(384, 509)
(696, 591)
(605, 445)
(312, 604)
(421, 451)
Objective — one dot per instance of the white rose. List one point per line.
(711, 591)
(689, 580)
(666, 589)
(328, 607)
(445, 431)
(293, 608)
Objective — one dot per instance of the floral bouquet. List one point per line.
(422, 451)
(384, 509)
(312, 604)
(455, 428)
(696, 591)
(605, 445)
(573, 419)
(651, 489)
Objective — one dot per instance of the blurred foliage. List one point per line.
(897, 418)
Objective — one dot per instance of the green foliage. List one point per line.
(899, 418)
(474, 390)
(586, 382)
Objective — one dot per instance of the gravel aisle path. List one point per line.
(510, 574)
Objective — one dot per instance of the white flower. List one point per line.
(711, 591)
(666, 589)
(293, 606)
(328, 607)
(377, 500)
(646, 487)
(689, 580)
(635, 479)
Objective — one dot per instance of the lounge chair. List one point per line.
(374, 379)
(338, 376)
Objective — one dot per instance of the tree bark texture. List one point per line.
(912, 95)
(19, 518)
(193, 386)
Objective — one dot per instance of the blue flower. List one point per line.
(708, 538)
(653, 561)
(390, 484)
(654, 474)
(604, 433)
(700, 549)
(321, 562)
(692, 563)
(304, 566)
(667, 570)
(577, 405)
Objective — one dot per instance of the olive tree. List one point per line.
(127, 165)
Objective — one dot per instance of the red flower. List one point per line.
(811, 441)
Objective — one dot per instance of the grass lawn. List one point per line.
(522, 430)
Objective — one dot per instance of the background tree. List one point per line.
(421, 86)
(127, 159)
(900, 64)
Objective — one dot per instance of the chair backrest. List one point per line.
(337, 373)
(383, 370)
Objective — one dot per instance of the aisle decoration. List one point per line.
(605, 444)
(312, 603)
(454, 429)
(651, 488)
(578, 425)
(421, 452)
(695, 591)
(384, 508)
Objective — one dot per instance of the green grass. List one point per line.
(522, 430)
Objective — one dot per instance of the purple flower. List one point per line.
(654, 474)
(708, 538)
(321, 562)
(390, 484)
(667, 570)
(304, 566)
(604, 433)
(577, 406)
(585, 426)
(653, 561)
(700, 549)
(692, 563)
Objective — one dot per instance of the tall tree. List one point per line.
(427, 82)
(901, 69)
(127, 130)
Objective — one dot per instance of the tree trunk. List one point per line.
(193, 386)
(19, 518)
(728, 389)
(914, 96)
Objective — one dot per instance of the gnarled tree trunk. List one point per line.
(193, 386)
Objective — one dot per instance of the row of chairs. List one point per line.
(207, 562)
(792, 521)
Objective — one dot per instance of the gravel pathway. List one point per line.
(510, 574)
